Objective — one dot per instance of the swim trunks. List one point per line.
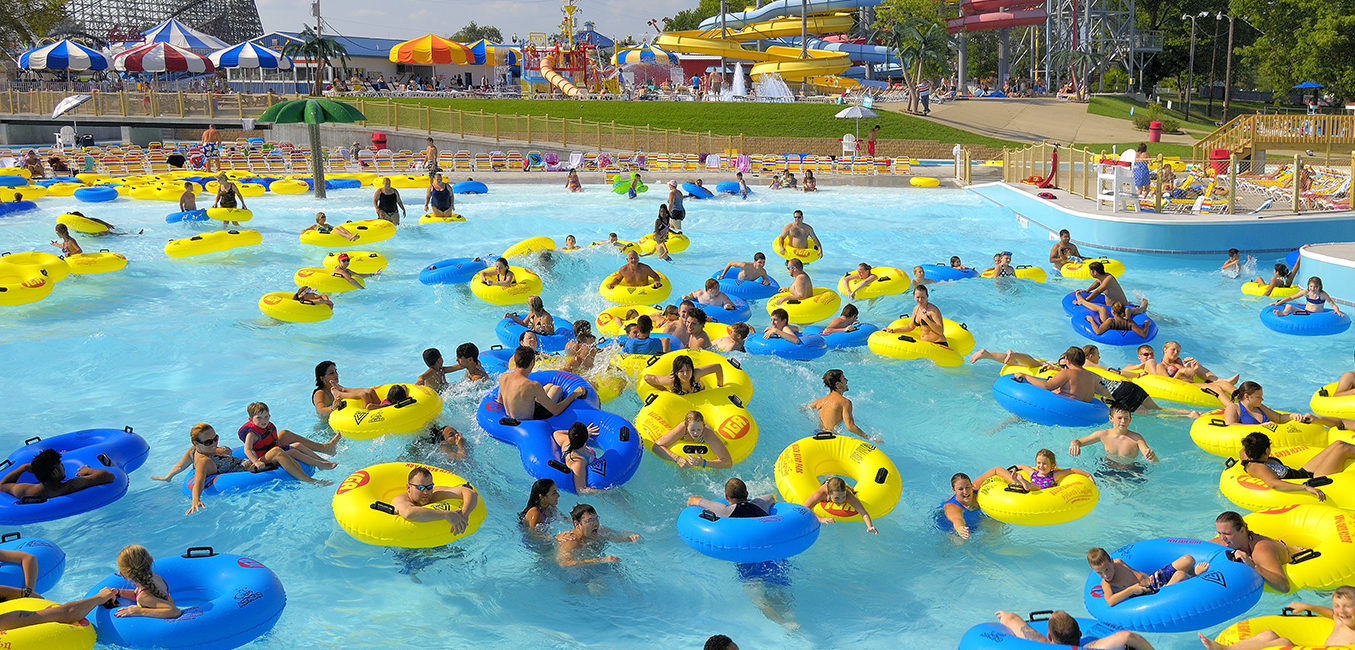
(1127, 394)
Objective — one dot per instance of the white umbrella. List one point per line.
(68, 104)
(856, 112)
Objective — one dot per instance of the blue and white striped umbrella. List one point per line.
(487, 53)
(176, 33)
(62, 55)
(643, 54)
(250, 55)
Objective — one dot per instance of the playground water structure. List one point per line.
(557, 61)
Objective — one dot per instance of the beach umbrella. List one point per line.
(161, 57)
(856, 112)
(487, 53)
(62, 55)
(176, 33)
(643, 54)
(250, 55)
(1306, 85)
(431, 50)
(313, 113)
(68, 104)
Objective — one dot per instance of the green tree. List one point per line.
(690, 19)
(1299, 40)
(1083, 63)
(23, 23)
(923, 47)
(320, 49)
(472, 32)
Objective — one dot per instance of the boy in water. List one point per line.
(1122, 445)
(1119, 582)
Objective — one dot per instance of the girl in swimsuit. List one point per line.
(499, 275)
(835, 494)
(1316, 297)
(693, 428)
(582, 350)
(1187, 369)
(572, 181)
(542, 508)
(1256, 459)
(1119, 320)
(1045, 474)
(575, 453)
(685, 379)
(1283, 278)
(328, 391)
(207, 459)
(1248, 409)
(151, 595)
(309, 296)
(537, 319)
(324, 228)
(68, 245)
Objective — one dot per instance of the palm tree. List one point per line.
(319, 49)
(1083, 63)
(922, 45)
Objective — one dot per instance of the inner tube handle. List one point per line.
(1216, 422)
(824, 435)
(558, 466)
(649, 399)
(32, 440)
(881, 474)
(625, 434)
(735, 363)
(127, 429)
(1305, 555)
(1228, 464)
(510, 422)
(905, 337)
(1041, 615)
(8, 536)
(193, 551)
(383, 507)
(1289, 611)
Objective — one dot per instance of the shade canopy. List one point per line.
(643, 54)
(1306, 85)
(487, 53)
(62, 55)
(311, 111)
(161, 57)
(180, 35)
(856, 112)
(431, 49)
(590, 35)
(250, 55)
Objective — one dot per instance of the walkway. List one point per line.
(1036, 120)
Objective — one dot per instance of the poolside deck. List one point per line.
(1167, 232)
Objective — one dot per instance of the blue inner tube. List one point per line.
(191, 215)
(8, 207)
(495, 359)
(996, 636)
(1227, 590)
(788, 530)
(123, 446)
(944, 273)
(696, 191)
(96, 194)
(241, 481)
(12, 180)
(14, 512)
(1078, 311)
(48, 182)
(1118, 337)
(341, 184)
(739, 314)
(1323, 323)
(730, 284)
(265, 181)
(841, 340)
(470, 187)
(509, 331)
(1292, 259)
(809, 347)
(227, 601)
(730, 187)
(51, 561)
(455, 270)
(1040, 406)
(619, 443)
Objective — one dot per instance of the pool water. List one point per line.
(165, 344)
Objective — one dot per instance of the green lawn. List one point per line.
(1118, 107)
(750, 119)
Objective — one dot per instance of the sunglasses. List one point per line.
(1146, 354)
(209, 441)
(422, 488)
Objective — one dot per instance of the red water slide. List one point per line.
(983, 15)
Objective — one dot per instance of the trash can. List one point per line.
(1219, 160)
(1155, 131)
(378, 141)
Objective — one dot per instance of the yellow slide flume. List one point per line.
(784, 61)
(790, 27)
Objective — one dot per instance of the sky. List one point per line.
(410, 18)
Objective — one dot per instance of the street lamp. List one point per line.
(1190, 85)
(1228, 69)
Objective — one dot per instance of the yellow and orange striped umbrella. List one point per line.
(431, 49)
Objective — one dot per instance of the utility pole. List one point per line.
(1213, 65)
(315, 56)
(1190, 85)
(1228, 72)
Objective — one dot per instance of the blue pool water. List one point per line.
(165, 344)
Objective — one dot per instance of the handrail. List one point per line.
(1257, 131)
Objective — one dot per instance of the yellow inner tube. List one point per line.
(48, 636)
(20, 286)
(81, 224)
(805, 255)
(1081, 271)
(735, 378)
(888, 281)
(822, 303)
(369, 231)
(378, 485)
(1258, 289)
(100, 262)
(1306, 632)
(530, 245)
(324, 280)
(358, 261)
(1253, 494)
(872, 475)
(1321, 528)
(526, 284)
(281, 305)
(34, 263)
(1072, 497)
(1023, 272)
(1224, 440)
(230, 214)
(212, 242)
(1333, 407)
(451, 217)
(26, 192)
(355, 421)
(677, 242)
(909, 346)
(612, 321)
(622, 294)
(733, 423)
(289, 187)
(924, 181)
(1162, 387)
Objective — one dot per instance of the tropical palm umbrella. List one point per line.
(313, 113)
(161, 57)
(176, 33)
(431, 50)
(856, 112)
(62, 56)
(643, 54)
(487, 53)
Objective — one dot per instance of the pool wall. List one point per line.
(1335, 264)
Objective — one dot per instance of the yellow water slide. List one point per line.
(556, 79)
(784, 61)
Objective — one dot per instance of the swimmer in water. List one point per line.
(835, 409)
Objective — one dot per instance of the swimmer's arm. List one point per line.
(996, 471)
(1269, 567)
(178, 467)
(400, 202)
(815, 498)
(1299, 607)
(722, 458)
(199, 482)
(955, 515)
(659, 381)
(1114, 598)
(672, 436)
(1143, 447)
(1060, 473)
(250, 439)
(850, 423)
(865, 516)
(428, 195)
(28, 561)
(1101, 327)
(1075, 447)
(86, 477)
(614, 536)
(789, 334)
(713, 368)
(1281, 301)
(1051, 384)
(318, 401)
(658, 279)
(1019, 627)
(1334, 307)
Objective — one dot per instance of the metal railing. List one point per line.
(1246, 133)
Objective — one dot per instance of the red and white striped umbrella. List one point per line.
(161, 57)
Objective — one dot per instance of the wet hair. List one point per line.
(1281, 269)
(719, 642)
(540, 489)
(923, 288)
(1144, 348)
(431, 356)
(957, 476)
(1118, 309)
(134, 563)
(1234, 520)
(467, 351)
(780, 313)
(321, 369)
(1097, 267)
(256, 408)
(1075, 356)
(683, 361)
(1233, 252)
(693, 416)
(712, 283)
(795, 264)
(736, 490)
(742, 329)
(1047, 455)
(759, 256)
(1245, 389)
(689, 304)
(1119, 407)
(397, 393)
(578, 436)
(1097, 557)
(523, 336)
(580, 510)
(850, 310)
(1063, 629)
(419, 471)
(863, 265)
(1088, 350)
(954, 259)
(523, 357)
(62, 232)
(699, 314)
(1316, 281)
(836, 485)
(502, 259)
(44, 465)
(1064, 231)
(832, 377)
(1344, 593)
(583, 330)
(1255, 445)
(645, 323)
(198, 429)
(535, 303)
